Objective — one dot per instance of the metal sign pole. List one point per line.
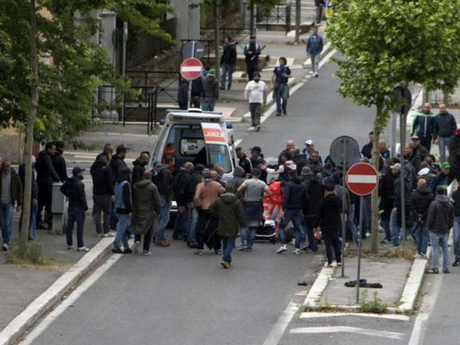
(361, 209)
(402, 177)
(190, 82)
(343, 204)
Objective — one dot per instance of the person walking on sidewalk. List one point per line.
(423, 124)
(124, 210)
(328, 220)
(228, 210)
(227, 63)
(295, 200)
(74, 190)
(256, 94)
(279, 84)
(421, 199)
(252, 51)
(440, 220)
(147, 207)
(319, 5)
(11, 193)
(211, 91)
(254, 191)
(165, 182)
(444, 128)
(314, 49)
(102, 194)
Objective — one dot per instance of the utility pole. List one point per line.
(298, 12)
(252, 17)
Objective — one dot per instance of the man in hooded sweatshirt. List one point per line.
(439, 222)
(421, 199)
(228, 209)
(211, 91)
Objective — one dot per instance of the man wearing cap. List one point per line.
(309, 149)
(255, 93)
(74, 190)
(252, 51)
(444, 179)
(454, 155)
(124, 210)
(444, 128)
(118, 161)
(422, 127)
(211, 91)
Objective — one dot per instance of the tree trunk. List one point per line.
(298, 12)
(375, 194)
(34, 96)
(217, 39)
(426, 95)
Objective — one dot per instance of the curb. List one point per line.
(413, 285)
(62, 286)
(319, 286)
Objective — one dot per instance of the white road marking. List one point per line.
(278, 330)
(362, 179)
(395, 317)
(61, 308)
(326, 59)
(344, 329)
(308, 61)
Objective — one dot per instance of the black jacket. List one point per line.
(397, 190)
(211, 87)
(456, 200)
(116, 164)
(46, 174)
(454, 155)
(74, 189)
(440, 215)
(16, 188)
(185, 184)
(229, 54)
(328, 217)
(386, 191)
(367, 150)
(444, 125)
(138, 171)
(165, 182)
(295, 195)
(245, 163)
(103, 180)
(60, 166)
(315, 192)
(415, 160)
(421, 199)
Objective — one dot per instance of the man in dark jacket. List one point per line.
(314, 49)
(227, 62)
(237, 180)
(386, 191)
(328, 220)
(147, 205)
(59, 162)
(419, 149)
(46, 176)
(440, 220)
(102, 194)
(366, 151)
(421, 199)
(444, 128)
(10, 197)
(454, 155)
(211, 91)
(319, 4)
(107, 151)
(252, 51)
(74, 190)
(455, 198)
(295, 199)
(411, 156)
(243, 161)
(197, 92)
(228, 210)
(315, 191)
(444, 179)
(124, 209)
(139, 166)
(118, 161)
(165, 183)
(422, 126)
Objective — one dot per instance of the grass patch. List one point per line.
(376, 306)
(31, 256)
(325, 307)
(402, 252)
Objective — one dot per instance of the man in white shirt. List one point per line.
(256, 93)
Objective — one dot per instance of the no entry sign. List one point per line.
(191, 69)
(362, 179)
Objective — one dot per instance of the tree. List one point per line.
(386, 43)
(50, 67)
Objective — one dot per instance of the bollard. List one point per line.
(58, 209)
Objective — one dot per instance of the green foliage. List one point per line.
(385, 43)
(375, 306)
(26, 254)
(72, 65)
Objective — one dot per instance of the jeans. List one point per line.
(208, 104)
(33, 220)
(319, 14)
(421, 238)
(180, 224)
(308, 223)
(443, 143)
(281, 93)
(394, 228)
(227, 69)
(6, 221)
(228, 245)
(350, 224)
(426, 142)
(315, 62)
(457, 238)
(192, 218)
(297, 220)
(436, 240)
(367, 223)
(255, 109)
(102, 204)
(248, 236)
(164, 219)
(75, 215)
(124, 221)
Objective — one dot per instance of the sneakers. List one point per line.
(225, 265)
(282, 249)
(433, 271)
(296, 251)
(162, 243)
(199, 252)
(5, 247)
(251, 128)
(339, 263)
(328, 265)
(136, 247)
(456, 263)
(146, 253)
(218, 252)
(316, 75)
(69, 247)
(127, 251)
(257, 128)
(83, 249)
(117, 251)
(242, 248)
(446, 271)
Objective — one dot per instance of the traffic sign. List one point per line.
(344, 151)
(192, 49)
(362, 179)
(191, 69)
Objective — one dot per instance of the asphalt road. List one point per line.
(175, 297)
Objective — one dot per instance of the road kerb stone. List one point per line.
(319, 286)
(48, 299)
(413, 284)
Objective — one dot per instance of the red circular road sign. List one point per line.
(362, 179)
(191, 69)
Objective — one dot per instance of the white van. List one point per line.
(195, 136)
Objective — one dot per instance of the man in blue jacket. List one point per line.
(314, 49)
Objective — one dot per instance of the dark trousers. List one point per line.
(102, 205)
(426, 142)
(255, 109)
(45, 194)
(217, 243)
(75, 215)
(251, 67)
(147, 239)
(333, 246)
